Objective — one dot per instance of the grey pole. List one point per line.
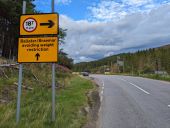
(19, 93)
(53, 92)
(53, 77)
(52, 6)
(24, 7)
(20, 78)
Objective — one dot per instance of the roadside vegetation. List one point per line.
(157, 77)
(71, 97)
(71, 90)
(152, 63)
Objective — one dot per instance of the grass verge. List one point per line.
(156, 77)
(36, 104)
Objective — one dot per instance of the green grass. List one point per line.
(156, 77)
(151, 76)
(36, 105)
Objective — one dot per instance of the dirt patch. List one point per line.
(6, 94)
(93, 109)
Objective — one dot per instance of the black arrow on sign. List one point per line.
(37, 55)
(50, 24)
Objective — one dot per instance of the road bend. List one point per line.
(133, 102)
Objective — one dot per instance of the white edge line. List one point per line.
(102, 91)
(101, 97)
(139, 88)
(103, 83)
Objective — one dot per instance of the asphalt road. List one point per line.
(133, 102)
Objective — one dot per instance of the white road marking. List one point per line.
(168, 105)
(102, 91)
(101, 97)
(139, 88)
(103, 83)
(135, 86)
(123, 79)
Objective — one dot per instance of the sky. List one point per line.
(100, 28)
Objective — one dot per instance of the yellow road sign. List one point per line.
(43, 49)
(39, 24)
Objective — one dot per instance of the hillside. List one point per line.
(145, 61)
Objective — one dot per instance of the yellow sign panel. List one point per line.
(44, 49)
(39, 24)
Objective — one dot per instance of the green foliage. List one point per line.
(146, 61)
(36, 103)
(157, 77)
(62, 35)
(12, 9)
(64, 60)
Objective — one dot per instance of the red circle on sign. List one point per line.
(30, 18)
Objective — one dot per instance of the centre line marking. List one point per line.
(139, 88)
(135, 86)
(122, 79)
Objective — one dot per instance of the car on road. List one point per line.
(85, 73)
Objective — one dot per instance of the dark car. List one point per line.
(85, 73)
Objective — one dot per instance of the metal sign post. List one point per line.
(53, 91)
(20, 78)
(19, 93)
(53, 80)
(38, 49)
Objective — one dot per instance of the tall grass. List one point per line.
(36, 104)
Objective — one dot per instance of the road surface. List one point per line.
(133, 102)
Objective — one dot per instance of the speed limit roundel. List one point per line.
(30, 25)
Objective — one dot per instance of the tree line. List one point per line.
(145, 61)
(10, 11)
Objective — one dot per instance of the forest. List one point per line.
(10, 11)
(141, 62)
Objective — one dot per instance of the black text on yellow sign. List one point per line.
(39, 24)
(38, 50)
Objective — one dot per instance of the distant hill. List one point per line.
(165, 46)
(144, 61)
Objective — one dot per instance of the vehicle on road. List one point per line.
(85, 73)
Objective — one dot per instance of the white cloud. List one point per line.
(109, 10)
(84, 59)
(137, 2)
(63, 1)
(88, 41)
(109, 54)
